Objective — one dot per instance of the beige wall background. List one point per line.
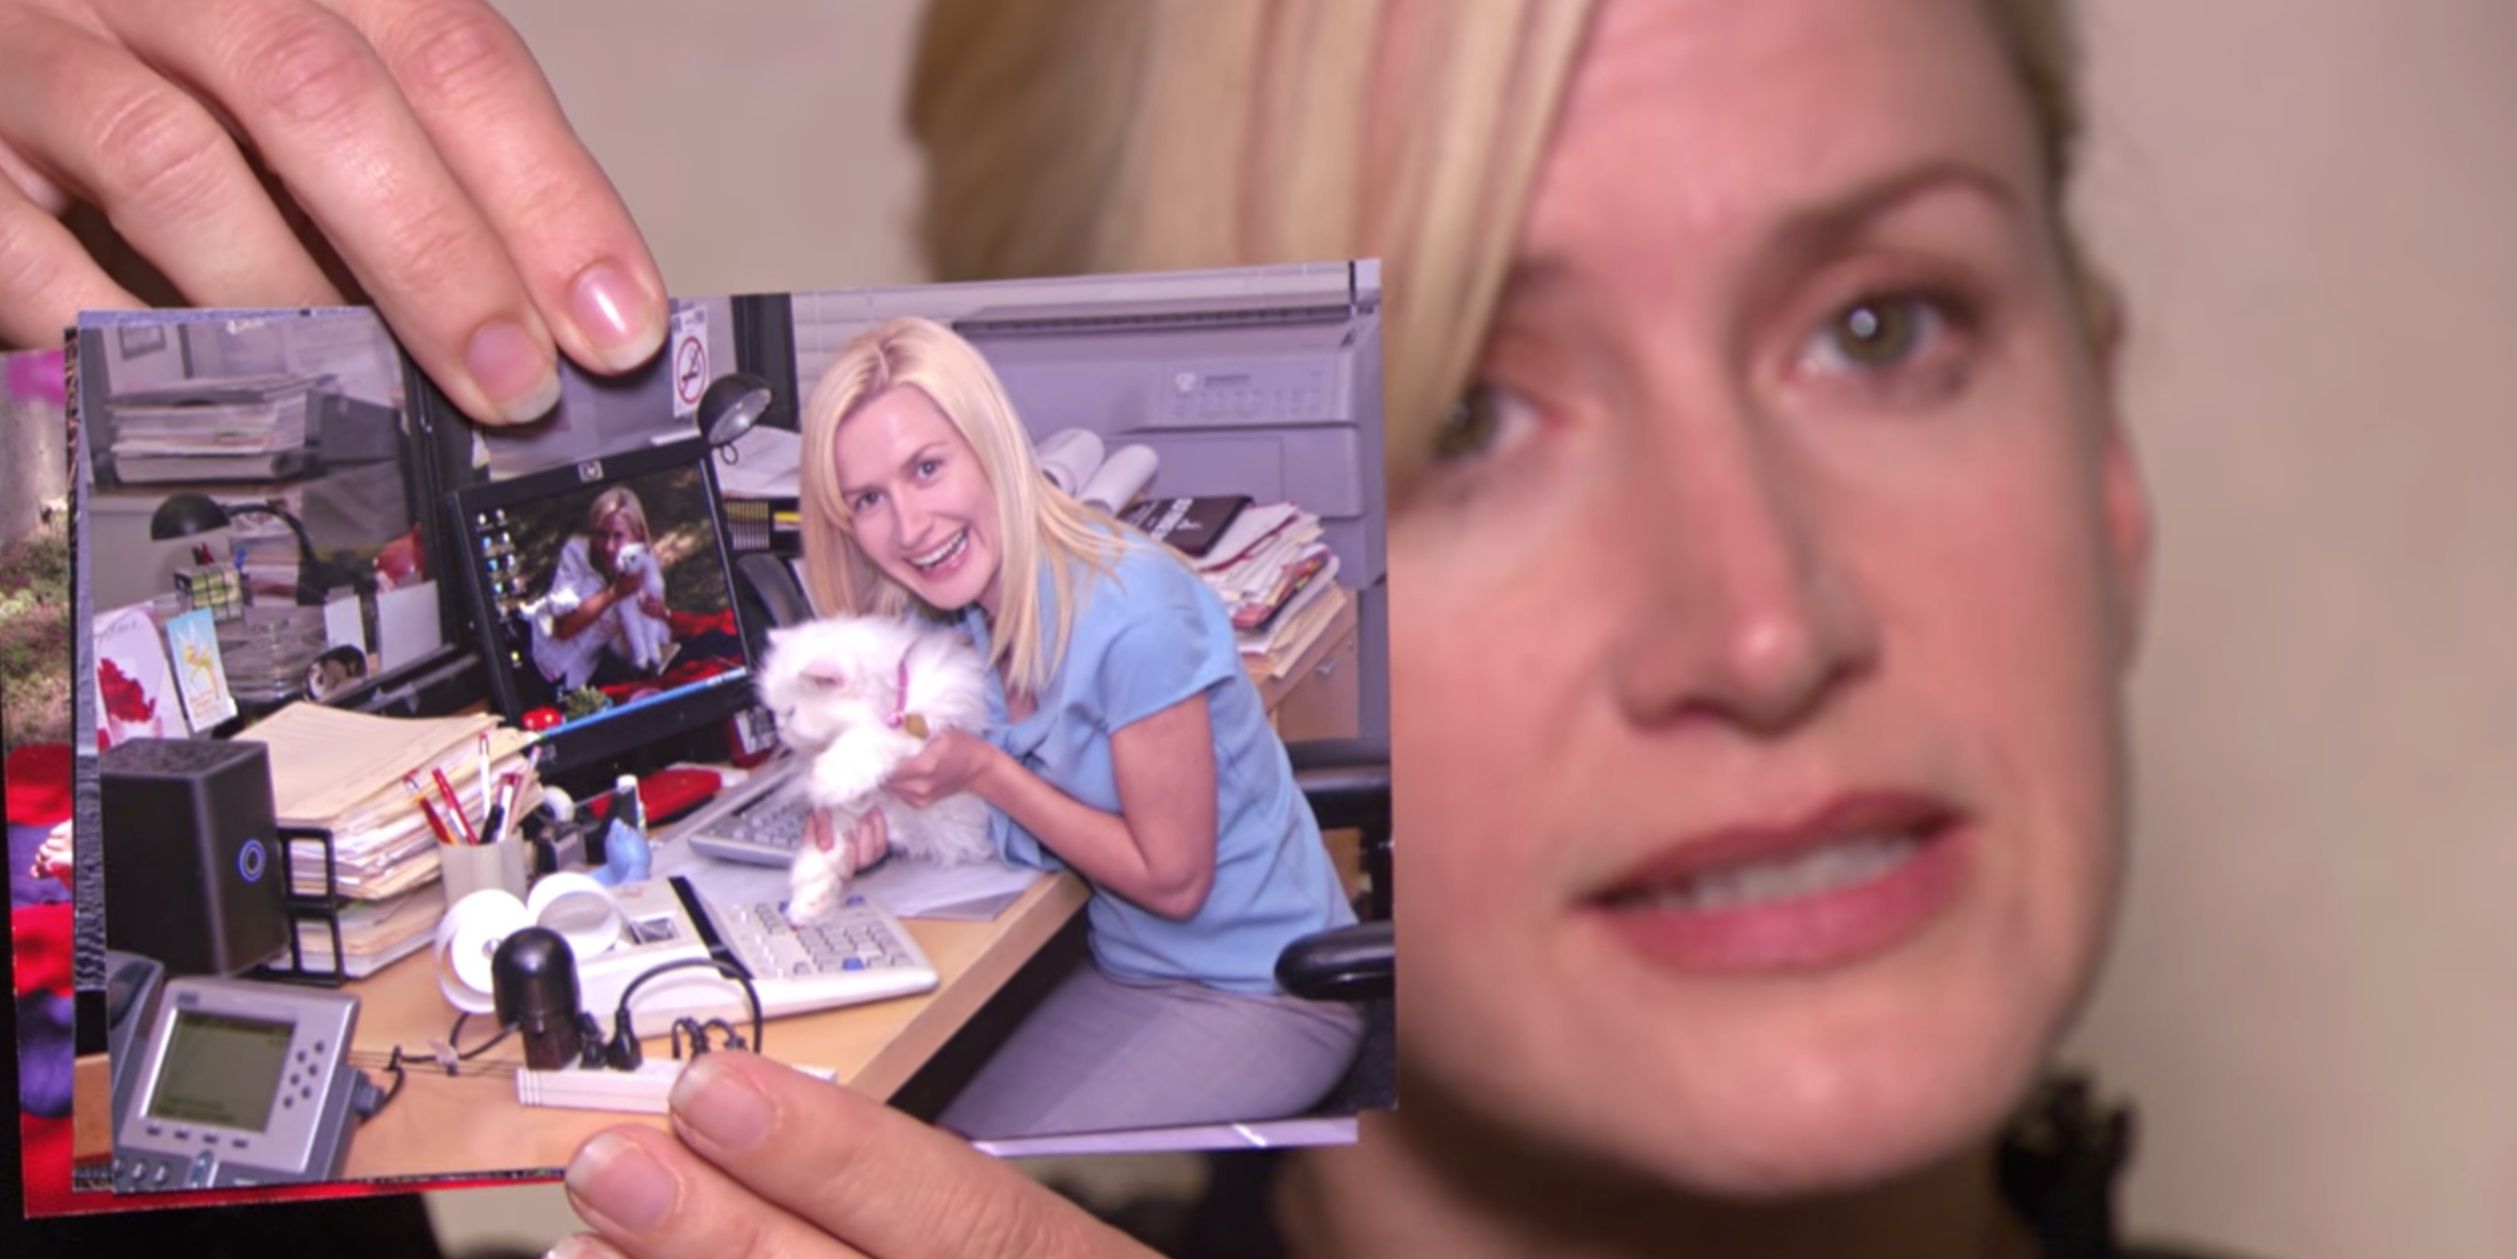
(2313, 207)
(2314, 994)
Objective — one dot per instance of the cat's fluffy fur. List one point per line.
(834, 685)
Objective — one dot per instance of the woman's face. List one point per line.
(1757, 651)
(613, 535)
(921, 506)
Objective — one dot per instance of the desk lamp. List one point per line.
(733, 403)
(184, 515)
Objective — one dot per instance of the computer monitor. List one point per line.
(604, 601)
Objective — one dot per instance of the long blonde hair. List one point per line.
(1039, 528)
(618, 499)
(1120, 135)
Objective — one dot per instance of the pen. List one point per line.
(494, 826)
(481, 746)
(454, 804)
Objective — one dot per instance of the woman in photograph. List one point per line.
(1128, 745)
(603, 617)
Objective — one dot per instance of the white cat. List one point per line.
(646, 640)
(852, 693)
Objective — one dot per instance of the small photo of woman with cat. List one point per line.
(1126, 744)
(607, 599)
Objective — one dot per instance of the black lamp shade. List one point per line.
(733, 403)
(185, 515)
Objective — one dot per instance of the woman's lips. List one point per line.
(1856, 878)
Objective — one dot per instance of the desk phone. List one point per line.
(234, 1083)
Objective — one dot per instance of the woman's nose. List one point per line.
(1747, 611)
(911, 517)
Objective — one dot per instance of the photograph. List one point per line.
(1028, 770)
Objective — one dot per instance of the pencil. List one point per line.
(481, 745)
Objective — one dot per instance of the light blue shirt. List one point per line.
(1144, 639)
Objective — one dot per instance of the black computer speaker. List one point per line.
(192, 854)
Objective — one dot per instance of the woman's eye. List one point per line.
(929, 467)
(863, 503)
(1878, 334)
(1487, 419)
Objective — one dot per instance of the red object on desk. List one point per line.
(540, 719)
(666, 794)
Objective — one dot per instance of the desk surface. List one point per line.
(443, 1126)
(471, 1124)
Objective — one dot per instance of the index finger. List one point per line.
(479, 95)
(874, 1178)
(319, 106)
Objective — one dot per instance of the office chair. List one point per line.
(1347, 782)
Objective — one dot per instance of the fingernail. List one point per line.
(574, 1246)
(619, 319)
(718, 1105)
(519, 378)
(613, 1176)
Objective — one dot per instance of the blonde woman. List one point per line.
(1748, 395)
(1128, 746)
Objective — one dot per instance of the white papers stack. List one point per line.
(1278, 579)
(342, 772)
(373, 933)
(242, 429)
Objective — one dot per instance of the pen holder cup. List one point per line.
(470, 868)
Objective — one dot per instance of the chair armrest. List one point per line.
(1357, 963)
(1347, 782)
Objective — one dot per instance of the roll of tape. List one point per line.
(581, 910)
(467, 937)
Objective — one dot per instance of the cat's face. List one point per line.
(824, 678)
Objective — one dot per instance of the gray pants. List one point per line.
(1099, 1055)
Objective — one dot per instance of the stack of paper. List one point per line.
(251, 428)
(343, 772)
(373, 933)
(1278, 578)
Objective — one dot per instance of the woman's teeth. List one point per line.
(941, 555)
(1834, 867)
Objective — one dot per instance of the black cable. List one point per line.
(454, 1037)
(622, 1053)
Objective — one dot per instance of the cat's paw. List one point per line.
(816, 881)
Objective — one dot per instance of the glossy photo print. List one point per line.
(783, 695)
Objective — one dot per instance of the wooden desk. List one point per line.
(470, 1124)
(1320, 696)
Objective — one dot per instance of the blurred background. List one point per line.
(2313, 997)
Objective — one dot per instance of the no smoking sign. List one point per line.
(690, 360)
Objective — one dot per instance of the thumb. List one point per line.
(764, 1145)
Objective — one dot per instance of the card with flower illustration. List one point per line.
(192, 642)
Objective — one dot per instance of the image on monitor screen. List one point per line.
(610, 593)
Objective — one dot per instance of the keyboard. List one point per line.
(758, 824)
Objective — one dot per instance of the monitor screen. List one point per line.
(219, 1069)
(607, 610)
